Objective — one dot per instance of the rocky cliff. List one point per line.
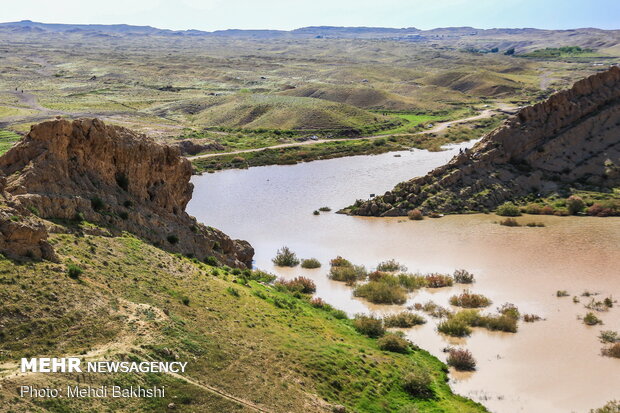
(570, 140)
(113, 177)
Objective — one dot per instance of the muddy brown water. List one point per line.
(548, 366)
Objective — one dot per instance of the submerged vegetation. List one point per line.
(285, 258)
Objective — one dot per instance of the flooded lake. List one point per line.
(548, 366)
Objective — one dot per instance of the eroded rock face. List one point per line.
(112, 176)
(570, 140)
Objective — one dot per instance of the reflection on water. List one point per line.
(548, 366)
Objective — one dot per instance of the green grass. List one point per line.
(259, 344)
(7, 140)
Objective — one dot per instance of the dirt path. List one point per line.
(435, 129)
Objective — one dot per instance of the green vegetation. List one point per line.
(591, 319)
(74, 271)
(610, 407)
(344, 270)
(559, 53)
(454, 327)
(439, 280)
(146, 304)
(468, 299)
(299, 284)
(461, 359)
(405, 319)
(463, 277)
(381, 292)
(7, 140)
(561, 293)
(508, 209)
(310, 263)
(285, 258)
(612, 351)
(394, 343)
(609, 336)
(369, 325)
(391, 266)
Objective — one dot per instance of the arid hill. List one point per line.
(110, 176)
(570, 140)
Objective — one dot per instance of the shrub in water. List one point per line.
(325, 209)
(369, 325)
(405, 319)
(461, 359)
(463, 277)
(509, 310)
(412, 281)
(561, 293)
(415, 215)
(418, 383)
(285, 258)
(340, 262)
(310, 263)
(454, 327)
(393, 343)
(508, 210)
(299, 284)
(612, 351)
(591, 319)
(391, 266)
(438, 280)
(530, 318)
(349, 274)
(609, 336)
(381, 292)
(469, 300)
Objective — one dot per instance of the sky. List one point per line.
(290, 14)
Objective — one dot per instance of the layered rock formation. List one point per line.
(116, 178)
(570, 140)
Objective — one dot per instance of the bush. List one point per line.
(502, 322)
(509, 310)
(418, 383)
(509, 222)
(97, 204)
(469, 300)
(432, 309)
(185, 301)
(561, 293)
(530, 318)
(461, 359)
(349, 274)
(73, 271)
(285, 258)
(412, 281)
(591, 319)
(610, 407)
(508, 209)
(575, 204)
(310, 263)
(381, 292)
(393, 343)
(391, 266)
(405, 319)
(340, 262)
(339, 314)
(173, 239)
(463, 277)
(211, 260)
(454, 327)
(315, 212)
(609, 336)
(612, 351)
(369, 325)
(415, 215)
(299, 284)
(438, 280)
(318, 302)
(325, 209)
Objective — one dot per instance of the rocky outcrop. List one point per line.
(570, 140)
(114, 177)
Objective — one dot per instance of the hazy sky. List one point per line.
(290, 14)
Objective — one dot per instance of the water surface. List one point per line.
(548, 366)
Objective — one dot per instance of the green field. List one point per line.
(7, 140)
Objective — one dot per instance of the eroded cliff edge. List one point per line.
(107, 175)
(570, 140)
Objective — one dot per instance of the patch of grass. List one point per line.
(405, 319)
(369, 325)
(394, 343)
(310, 263)
(381, 292)
(418, 383)
(508, 209)
(454, 327)
(7, 140)
(285, 258)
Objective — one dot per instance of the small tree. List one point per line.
(575, 204)
(285, 258)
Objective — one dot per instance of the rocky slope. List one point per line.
(109, 176)
(570, 140)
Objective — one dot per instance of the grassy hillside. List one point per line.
(242, 337)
